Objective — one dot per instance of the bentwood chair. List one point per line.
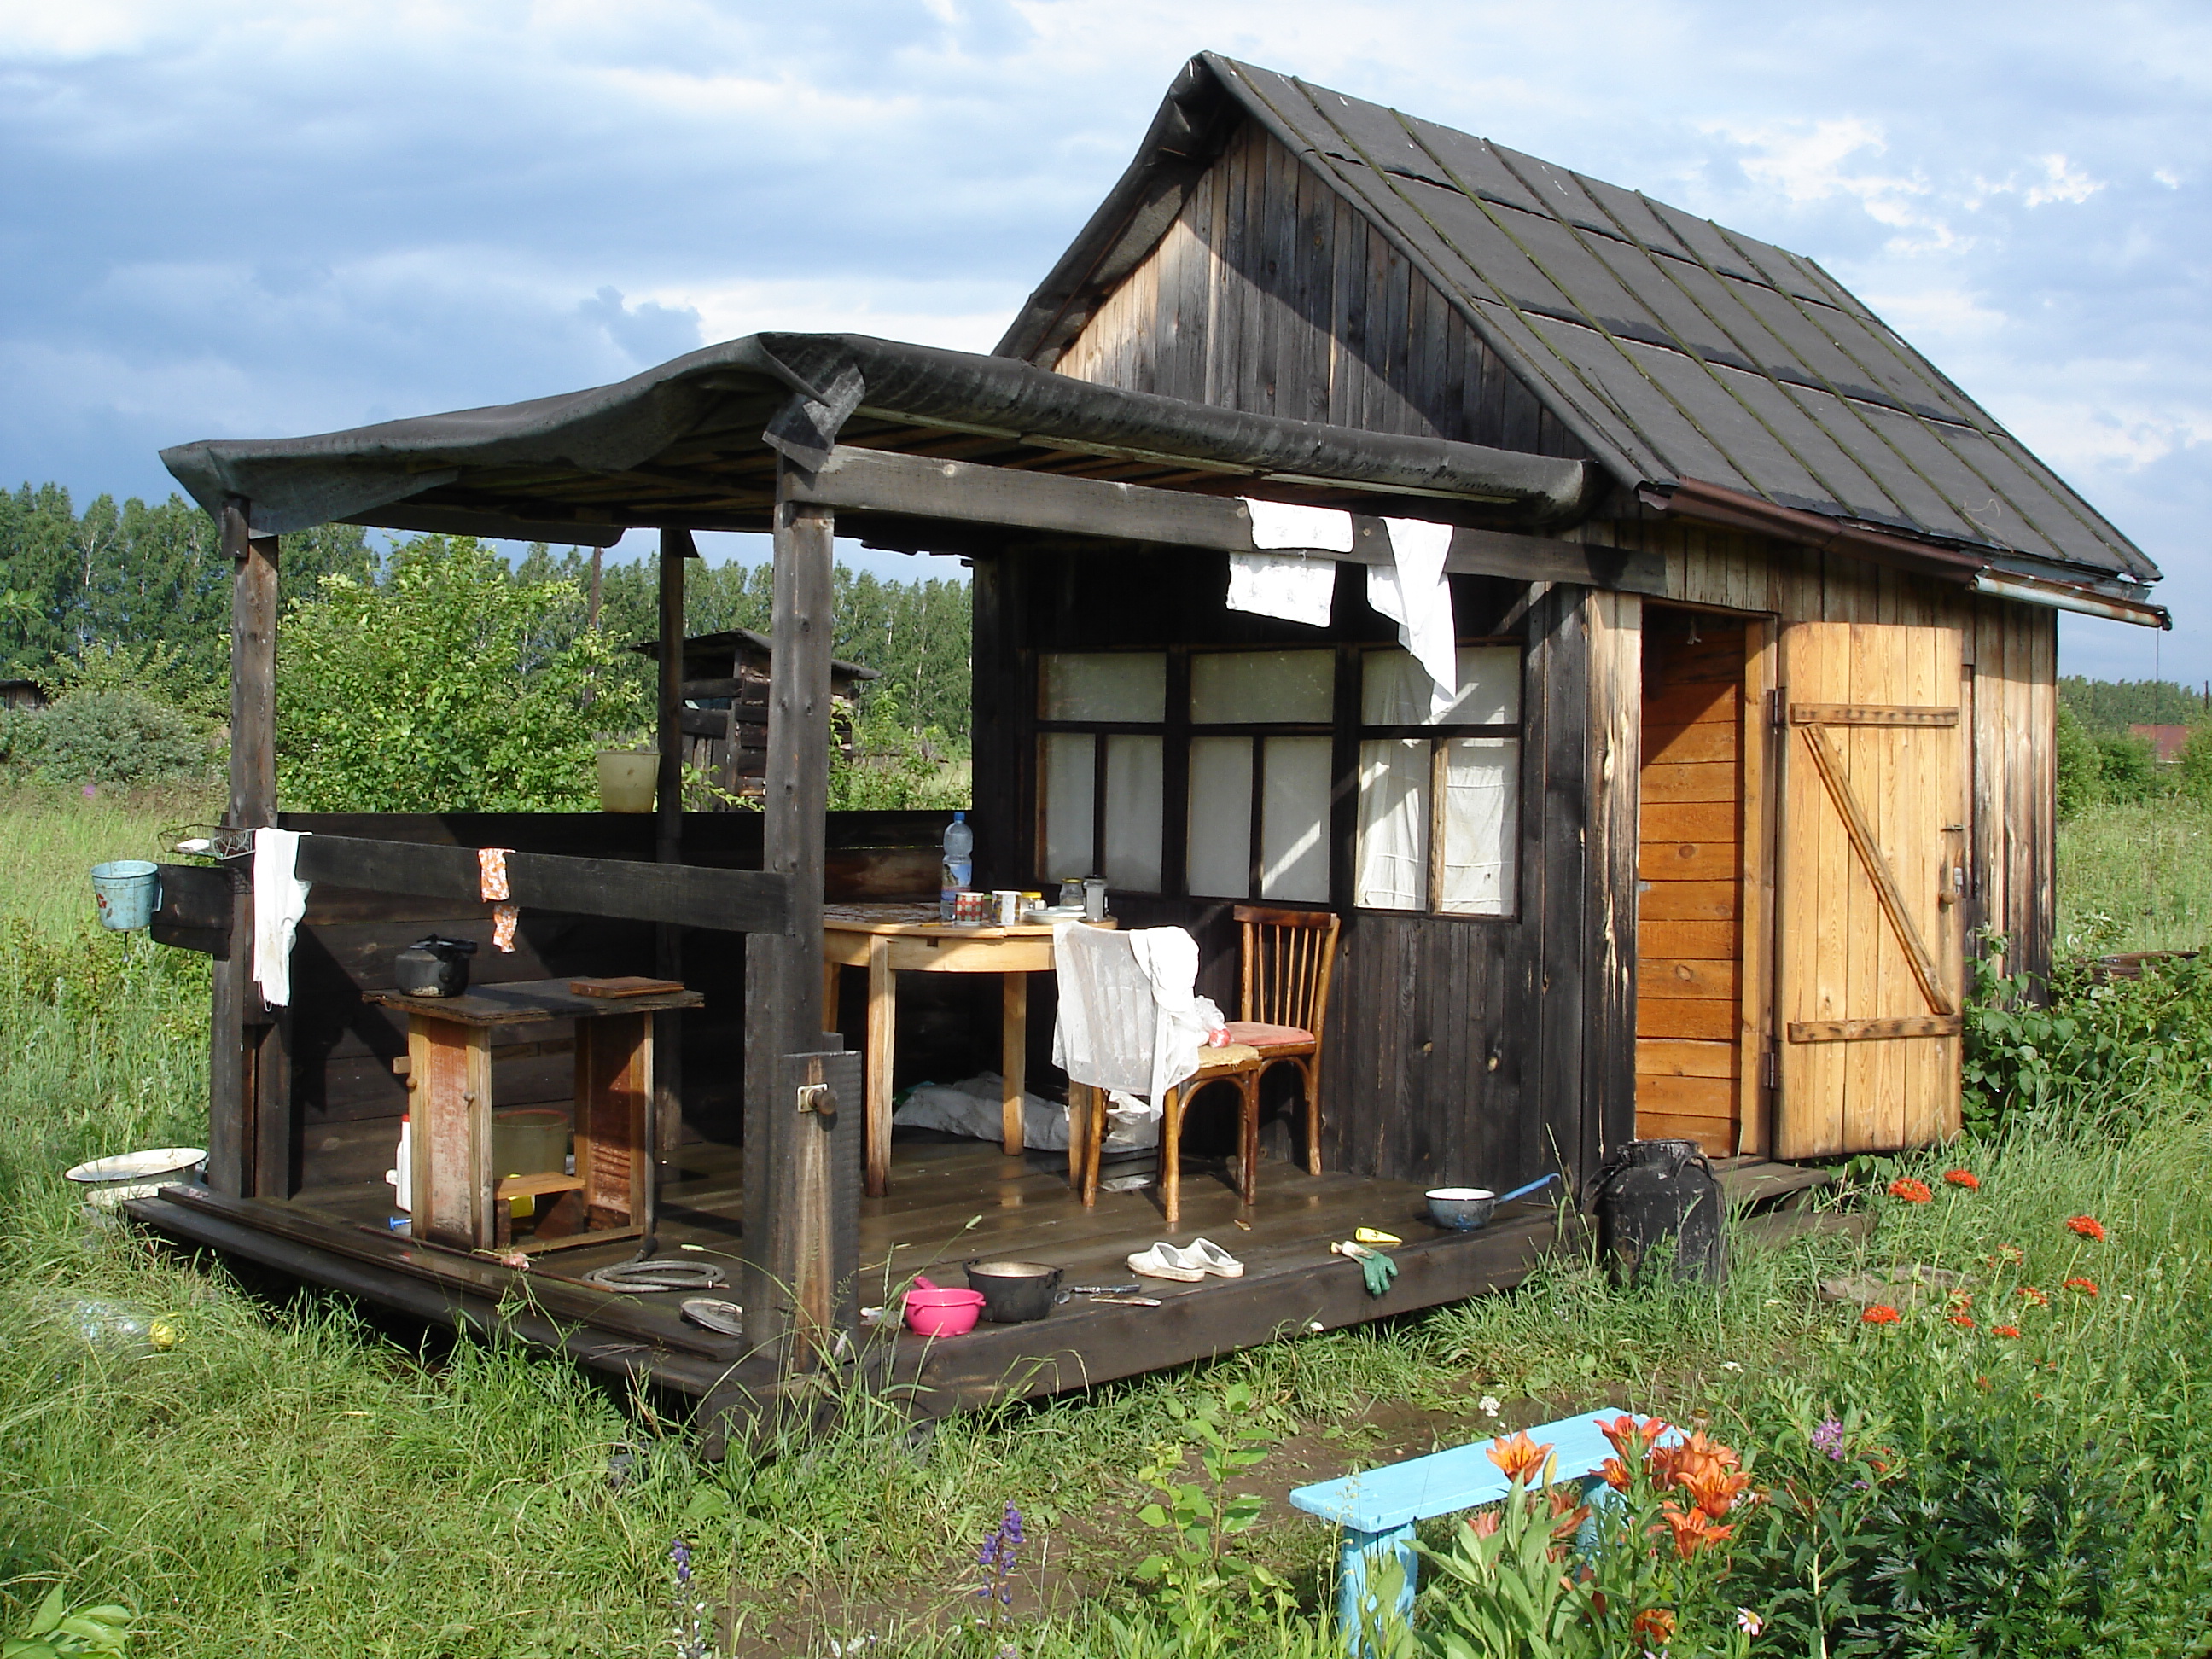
(1283, 1005)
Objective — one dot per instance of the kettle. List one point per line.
(433, 967)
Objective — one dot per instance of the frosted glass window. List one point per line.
(1134, 791)
(1391, 863)
(1294, 819)
(1394, 689)
(1244, 687)
(1103, 685)
(1219, 856)
(1069, 785)
(1480, 822)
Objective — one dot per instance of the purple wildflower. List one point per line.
(1012, 1525)
(1829, 1438)
(680, 1553)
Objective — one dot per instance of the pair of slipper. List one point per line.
(1190, 1262)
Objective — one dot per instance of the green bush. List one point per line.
(108, 736)
(2192, 768)
(2126, 770)
(2080, 765)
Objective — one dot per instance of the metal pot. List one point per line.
(433, 967)
(1655, 1190)
(1015, 1293)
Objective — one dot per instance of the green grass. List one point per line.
(288, 1479)
(2137, 878)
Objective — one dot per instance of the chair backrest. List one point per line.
(1288, 956)
(1117, 992)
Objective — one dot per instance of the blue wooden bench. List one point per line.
(1378, 1509)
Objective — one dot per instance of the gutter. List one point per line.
(1690, 498)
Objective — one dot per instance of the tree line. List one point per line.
(124, 613)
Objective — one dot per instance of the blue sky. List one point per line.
(239, 218)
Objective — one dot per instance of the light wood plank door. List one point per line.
(1870, 940)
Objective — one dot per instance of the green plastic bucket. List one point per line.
(126, 890)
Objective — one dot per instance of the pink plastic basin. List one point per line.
(935, 1310)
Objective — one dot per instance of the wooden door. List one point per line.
(1872, 844)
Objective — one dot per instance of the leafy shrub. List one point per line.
(438, 691)
(2080, 765)
(2192, 768)
(2126, 769)
(108, 736)
(2093, 1053)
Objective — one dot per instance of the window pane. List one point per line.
(1239, 687)
(1391, 866)
(1220, 847)
(1294, 820)
(1132, 813)
(1394, 689)
(1102, 685)
(1068, 783)
(1482, 824)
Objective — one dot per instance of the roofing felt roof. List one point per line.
(1675, 350)
(693, 443)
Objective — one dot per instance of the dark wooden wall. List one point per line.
(1272, 293)
(1458, 1047)
(345, 1098)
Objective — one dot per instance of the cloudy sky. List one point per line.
(246, 218)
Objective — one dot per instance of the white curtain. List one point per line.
(1481, 821)
(1069, 788)
(1390, 868)
(1104, 685)
(1133, 813)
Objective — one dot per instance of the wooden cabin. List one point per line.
(1754, 620)
(724, 716)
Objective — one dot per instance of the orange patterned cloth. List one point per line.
(491, 873)
(502, 927)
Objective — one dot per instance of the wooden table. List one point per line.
(895, 938)
(455, 1196)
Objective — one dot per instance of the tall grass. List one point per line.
(2137, 878)
(289, 1478)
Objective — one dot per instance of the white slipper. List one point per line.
(1205, 1253)
(1164, 1260)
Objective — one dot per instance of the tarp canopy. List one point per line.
(693, 444)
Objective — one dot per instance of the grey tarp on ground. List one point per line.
(794, 391)
(1673, 349)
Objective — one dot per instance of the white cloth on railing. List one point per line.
(1291, 577)
(1130, 1022)
(1413, 591)
(280, 899)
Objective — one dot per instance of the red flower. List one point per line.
(1654, 1625)
(2034, 1297)
(2087, 1226)
(1965, 1320)
(2004, 1330)
(1911, 1191)
(1518, 1455)
(2087, 1286)
(1879, 1314)
(1693, 1531)
(1965, 1178)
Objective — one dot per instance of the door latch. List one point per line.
(818, 1099)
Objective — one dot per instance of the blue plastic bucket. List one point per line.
(126, 892)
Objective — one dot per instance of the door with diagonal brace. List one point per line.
(1868, 939)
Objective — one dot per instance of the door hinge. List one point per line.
(1770, 1067)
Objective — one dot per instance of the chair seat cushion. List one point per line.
(1260, 1035)
(1227, 1058)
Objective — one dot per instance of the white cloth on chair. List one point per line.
(1130, 1021)
(280, 899)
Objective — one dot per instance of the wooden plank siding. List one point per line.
(1271, 293)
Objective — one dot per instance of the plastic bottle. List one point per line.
(959, 863)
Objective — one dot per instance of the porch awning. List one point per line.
(693, 444)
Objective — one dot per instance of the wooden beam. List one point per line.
(1876, 1030)
(666, 1128)
(1845, 714)
(732, 900)
(784, 1219)
(911, 486)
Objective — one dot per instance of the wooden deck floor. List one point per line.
(948, 1204)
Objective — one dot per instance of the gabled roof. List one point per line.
(1680, 353)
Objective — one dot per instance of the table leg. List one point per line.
(449, 1075)
(1361, 1558)
(883, 1019)
(1080, 1105)
(1013, 1062)
(831, 971)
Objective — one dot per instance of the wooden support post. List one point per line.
(676, 546)
(238, 1147)
(783, 973)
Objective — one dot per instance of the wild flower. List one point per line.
(1693, 1529)
(2033, 1298)
(2004, 1330)
(692, 1640)
(1518, 1455)
(1828, 1438)
(1911, 1191)
(996, 1558)
(2009, 1254)
(1749, 1622)
(2087, 1286)
(1880, 1314)
(1965, 1178)
(1488, 1405)
(1654, 1625)
(2087, 1226)
(1963, 1321)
